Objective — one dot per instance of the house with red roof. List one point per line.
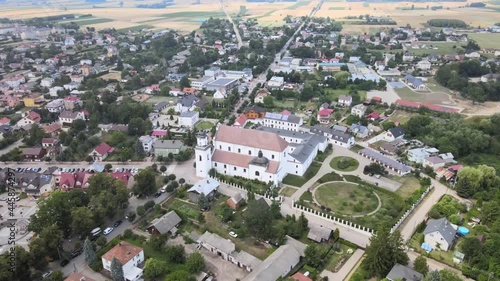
(5, 121)
(125, 177)
(102, 151)
(241, 121)
(30, 118)
(129, 256)
(324, 115)
(68, 181)
(374, 116)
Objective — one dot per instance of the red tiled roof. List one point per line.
(240, 160)
(374, 115)
(124, 252)
(5, 120)
(325, 112)
(407, 103)
(456, 167)
(103, 148)
(251, 138)
(241, 120)
(299, 276)
(286, 112)
(51, 128)
(122, 176)
(49, 140)
(159, 133)
(35, 117)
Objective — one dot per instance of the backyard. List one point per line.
(204, 125)
(346, 198)
(400, 117)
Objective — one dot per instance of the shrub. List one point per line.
(96, 266)
(171, 177)
(127, 233)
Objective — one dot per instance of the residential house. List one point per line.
(207, 186)
(159, 107)
(189, 118)
(55, 106)
(53, 92)
(440, 234)
(424, 65)
(330, 66)
(71, 103)
(401, 272)
(389, 148)
(48, 142)
(408, 57)
(165, 147)
(189, 103)
(260, 95)
(68, 181)
(319, 233)
(434, 162)
(394, 133)
(130, 256)
(175, 92)
(359, 131)
(33, 101)
(30, 118)
(33, 153)
(345, 100)
(417, 155)
(358, 110)
(47, 82)
(147, 143)
(324, 115)
(217, 245)
(235, 201)
(168, 223)
(101, 151)
(373, 116)
(415, 83)
(220, 94)
(255, 112)
(66, 118)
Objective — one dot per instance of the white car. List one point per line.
(108, 230)
(46, 274)
(232, 234)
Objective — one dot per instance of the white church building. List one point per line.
(261, 154)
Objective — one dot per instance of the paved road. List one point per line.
(236, 30)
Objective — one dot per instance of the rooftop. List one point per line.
(124, 252)
(251, 138)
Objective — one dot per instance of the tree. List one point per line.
(336, 234)
(83, 220)
(116, 270)
(269, 102)
(176, 254)
(433, 276)
(52, 237)
(131, 216)
(145, 183)
(276, 210)
(140, 210)
(202, 201)
(89, 253)
(184, 83)
(55, 276)
(195, 263)
(385, 250)
(108, 167)
(163, 168)
(179, 275)
(21, 270)
(259, 220)
(101, 241)
(469, 181)
(154, 268)
(312, 256)
(420, 265)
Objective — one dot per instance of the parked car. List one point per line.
(108, 230)
(117, 223)
(232, 234)
(64, 262)
(157, 194)
(46, 274)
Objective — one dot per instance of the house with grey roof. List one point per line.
(166, 224)
(159, 107)
(394, 133)
(189, 118)
(282, 121)
(319, 233)
(359, 131)
(165, 147)
(415, 83)
(335, 137)
(206, 186)
(385, 161)
(401, 272)
(279, 263)
(217, 245)
(440, 234)
(189, 103)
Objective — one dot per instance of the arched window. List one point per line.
(257, 173)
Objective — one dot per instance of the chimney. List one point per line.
(128, 253)
(82, 279)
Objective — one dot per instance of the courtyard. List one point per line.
(347, 198)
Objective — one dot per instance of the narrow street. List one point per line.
(235, 27)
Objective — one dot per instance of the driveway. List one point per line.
(389, 96)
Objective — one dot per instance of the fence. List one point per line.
(410, 210)
(333, 219)
(265, 195)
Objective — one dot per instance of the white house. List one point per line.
(440, 234)
(129, 256)
(186, 103)
(147, 143)
(417, 155)
(434, 162)
(424, 65)
(199, 84)
(220, 94)
(358, 110)
(394, 133)
(276, 82)
(261, 94)
(345, 100)
(189, 118)
(55, 106)
(54, 90)
(47, 82)
(68, 117)
(335, 137)
(282, 121)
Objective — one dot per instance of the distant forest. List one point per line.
(416, 1)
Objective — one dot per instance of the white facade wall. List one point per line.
(134, 262)
(283, 125)
(188, 121)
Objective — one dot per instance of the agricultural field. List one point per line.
(88, 21)
(484, 40)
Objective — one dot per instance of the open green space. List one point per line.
(299, 181)
(135, 28)
(486, 40)
(157, 99)
(89, 21)
(204, 125)
(288, 191)
(188, 16)
(344, 163)
(443, 48)
(336, 93)
(357, 148)
(332, 176)
(187, 209)
(298, 5)
(400, 117)
(346, 198)
(408, 185)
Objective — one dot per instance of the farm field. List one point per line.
(88, 21)
(486, 40)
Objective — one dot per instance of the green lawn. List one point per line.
(204, 125)
(195, 14)
(135, 28)
(346, 198)
(351, 163)
(486, 40)
(330, 177)
(157, 99)
(90, 21)
(407, 94)
(298, 5)
(189, 210)
(409, 185)
(336, 258)
(298, 181)
(401, 117)
(288, 191)
(323, 155)
(336, 93)
(307, 196)
(357, 148)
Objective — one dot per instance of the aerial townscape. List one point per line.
(249, 140)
